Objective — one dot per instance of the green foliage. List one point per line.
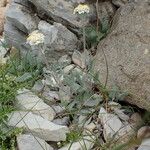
(26, 64)
(117, 95)
(72, 136)
(93, 36)
(8, 89)
(9, 85)
(8, 139)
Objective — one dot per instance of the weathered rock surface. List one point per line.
(2, 19)
(143, 132)
(145, 145)
(26, 100)
(24, 16)
(61, 11)
(38, 126)
(111, 123)
(58, 40)
(113, 128)
(23, 20)
(28, 142)
(3, 3)
(128, 54)
(3, 52)
(106, 11)
(119, 3)
(87, 143)
(14, 37)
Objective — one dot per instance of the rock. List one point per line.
(87, 143)
(65, 59)
(124, 134)
(58, 40)
(113, 105)
(61, 11)
(114, 129)
(22, 20)
(2, 19)
(50, 96)
(89, 128)
(38, 86)
(3, 52)
(14, 37)
(128, 56)
(106, 11)
(143, 132)
(58, 109)
(63, 121)
(93, 101)
(111, 124)
(52, 80)
(145, 145)
(81, 59)
(3, 3)
(28, 142)
(120, 113)
(38, 126)
(135, 119)
(119, 3)
(82, 120)
(68, 68)
(26, 100)
(65, 94)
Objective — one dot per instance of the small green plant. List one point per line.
(74, 136)
(95, 34)
(27, 68)
(8, 89)
(9, 86)
(115, 94)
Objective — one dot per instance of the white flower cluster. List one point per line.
(35, 38)
(82, 9)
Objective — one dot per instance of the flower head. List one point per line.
(35, 38)
(82, 9)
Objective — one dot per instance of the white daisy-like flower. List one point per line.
(35, 38)
(82, 9)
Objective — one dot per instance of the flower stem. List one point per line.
(84, 39)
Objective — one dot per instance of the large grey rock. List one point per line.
(58, 40)
(60, 11)
(128, 54)
(14, 37)
(26, 100)
(28, 142)
(38, 126)
(22, 18)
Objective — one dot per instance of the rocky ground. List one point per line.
(69, 106)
